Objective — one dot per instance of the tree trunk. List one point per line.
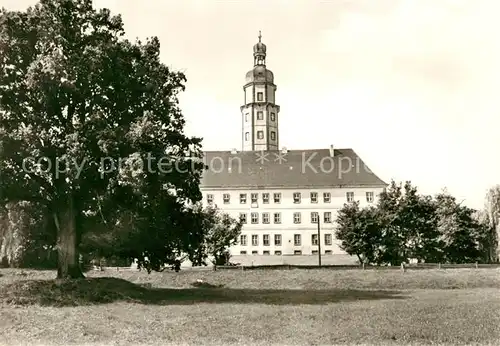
(68, 264)
(494, 246)
(361, 261)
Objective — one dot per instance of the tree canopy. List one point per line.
(219, 232)
(406, 225)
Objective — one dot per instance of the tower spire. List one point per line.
(259, 52)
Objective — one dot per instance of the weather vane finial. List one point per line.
(260, 36)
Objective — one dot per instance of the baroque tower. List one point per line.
(259, 113)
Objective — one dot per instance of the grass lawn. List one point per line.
(259, 307)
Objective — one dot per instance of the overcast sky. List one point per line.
(411, 86)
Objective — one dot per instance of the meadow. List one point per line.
(252, 307)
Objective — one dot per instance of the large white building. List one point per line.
(281, 193)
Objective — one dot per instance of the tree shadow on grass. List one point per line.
(92, 291)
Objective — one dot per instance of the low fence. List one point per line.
(415, 266)
(309, 260)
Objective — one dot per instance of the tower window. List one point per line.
(247, 135)
(260, 96)
(273, 116)
(246, 117)
(260, 134)
(273, 135)
(260, 115)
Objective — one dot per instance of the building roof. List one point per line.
(295, 168)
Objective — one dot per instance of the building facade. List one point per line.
(278, 193)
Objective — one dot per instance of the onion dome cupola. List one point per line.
(259, 52)
(259, 73)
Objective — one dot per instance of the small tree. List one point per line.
(26, 238)
(417, 223)
(219, 232)
(486, 236)
(459, 231)
(408, 225)
(156, 238)
(492, 223)
(359, 232)
(392, 243)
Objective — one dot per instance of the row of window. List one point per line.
(260, 135)
(297, 197)
(297, 217)
(278, 252)
(260, 116)
(297, 239)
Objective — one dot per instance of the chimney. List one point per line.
(234, 151)
(284, 150)
(332, 152)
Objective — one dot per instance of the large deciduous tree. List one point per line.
(89, 122)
